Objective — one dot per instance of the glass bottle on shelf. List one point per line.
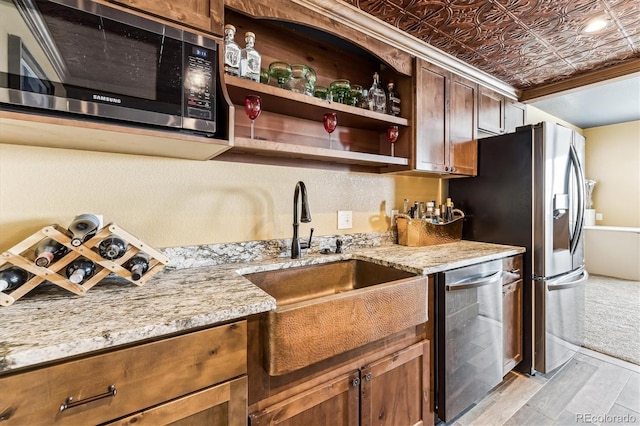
(12, 278)
(393, 100)
(48, 251)
(250, 59)
(231, 51)
(377, 97)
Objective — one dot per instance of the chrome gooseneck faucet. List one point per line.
(305, 217)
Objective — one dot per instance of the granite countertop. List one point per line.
(51, 324)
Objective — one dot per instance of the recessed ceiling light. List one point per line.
(595, 25)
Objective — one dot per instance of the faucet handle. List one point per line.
(307, 244)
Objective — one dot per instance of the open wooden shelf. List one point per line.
(60, 132)
(286, 102)
(288, 150)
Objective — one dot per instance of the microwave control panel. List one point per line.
(199, 82)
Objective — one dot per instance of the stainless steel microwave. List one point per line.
(82, 57)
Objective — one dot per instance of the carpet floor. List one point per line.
(612, 323)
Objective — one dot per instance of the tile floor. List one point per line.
(590, 389)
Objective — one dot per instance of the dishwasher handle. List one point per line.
(474, 282)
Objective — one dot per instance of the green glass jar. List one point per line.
(339, 90)
(321, 92)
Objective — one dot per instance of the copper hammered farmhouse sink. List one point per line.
(326, 309)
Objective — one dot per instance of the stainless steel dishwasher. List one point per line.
(468, 333)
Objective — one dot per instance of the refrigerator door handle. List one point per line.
(577, 232)
(474, 282)
(584, 276)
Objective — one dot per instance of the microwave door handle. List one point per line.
(563, 286)
(474, 282)
(577, 167)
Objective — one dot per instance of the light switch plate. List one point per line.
(598, 216)
(345, 219)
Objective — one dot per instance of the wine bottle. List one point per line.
(12, 278)
(80, 270)
(138, 265)
(48, 251)
(112, 248)
(82, 228)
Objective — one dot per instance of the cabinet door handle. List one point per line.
(69, 403)
(368, 377)
(356, 382)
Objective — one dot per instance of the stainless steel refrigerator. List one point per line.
(530, 192)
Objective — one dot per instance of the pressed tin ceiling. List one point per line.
(525, 43)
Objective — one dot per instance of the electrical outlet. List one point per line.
(598, 216)
(345, 219)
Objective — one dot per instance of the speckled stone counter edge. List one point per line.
(54, 324)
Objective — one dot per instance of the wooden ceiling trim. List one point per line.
(617, 71)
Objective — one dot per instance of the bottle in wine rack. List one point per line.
(48, 251)
(12, 278)
(138, 265)
(80, 270)
(82, 228)
(112, 248)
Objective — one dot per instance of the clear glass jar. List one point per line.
(298, 81)
(311, 81)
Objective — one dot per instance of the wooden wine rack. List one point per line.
(23, 254)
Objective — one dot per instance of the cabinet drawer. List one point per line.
(224, 404)
(142, 376)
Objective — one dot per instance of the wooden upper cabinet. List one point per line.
(515, 115)
(497, 114)
(445, 121)
(206, 15)
(490, 111)
(462, 132)
(431, 128)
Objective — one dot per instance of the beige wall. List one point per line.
(169, 202)
(613, 160)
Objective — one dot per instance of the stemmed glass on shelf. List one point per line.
(392, 137)
(330, 122)
(252, 107)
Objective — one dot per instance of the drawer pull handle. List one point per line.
(69, 403)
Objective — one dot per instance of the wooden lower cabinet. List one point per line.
(199, 375)
(512, 313)
(512, 325)
(394, 390)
